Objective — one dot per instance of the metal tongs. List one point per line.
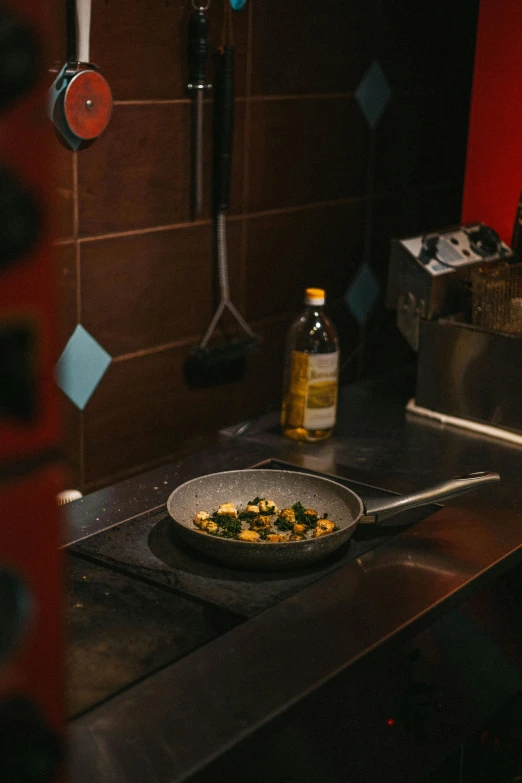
(211, 364)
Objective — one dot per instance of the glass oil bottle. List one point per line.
(311, 377)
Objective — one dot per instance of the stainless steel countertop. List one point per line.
(153, 730)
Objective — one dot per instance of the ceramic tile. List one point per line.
(407, 213)
(65, 257)
(311, 47)
(141, 47)
(311, 247)
(426, 45)
(362, 294)
(421, 141)
(373, 94)
(306, 150)
(149, 289)
(81, 367)
(62, 193)
(137, 175)
(142, 412)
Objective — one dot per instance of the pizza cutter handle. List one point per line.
(379, 509)
(83, 30)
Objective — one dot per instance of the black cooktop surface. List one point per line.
(147, 547)
(136, 587)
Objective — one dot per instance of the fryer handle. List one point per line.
(379, 509)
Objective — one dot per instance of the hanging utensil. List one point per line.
(223, 363)
(80, 99)
(197, 67)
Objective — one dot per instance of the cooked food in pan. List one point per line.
(263, 521)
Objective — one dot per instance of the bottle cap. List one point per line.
(314, 296)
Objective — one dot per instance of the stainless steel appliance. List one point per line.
(464, 369)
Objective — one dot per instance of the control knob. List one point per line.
(485, 241)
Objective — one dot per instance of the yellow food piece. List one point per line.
(299, 528)
(227, 509)
(296, 537)
(276, 537)
(248, 535)
(311, 512)
(267, 505)
(212, 527)
(288, 514)
(200, 517)
(324, 526)
(254, 509)
(260, 523)
(319, 532)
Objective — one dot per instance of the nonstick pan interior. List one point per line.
(283, 487)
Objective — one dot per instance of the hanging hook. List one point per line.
(200, 6)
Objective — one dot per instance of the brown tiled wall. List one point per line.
(315, 193)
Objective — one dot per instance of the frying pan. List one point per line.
(285, 487)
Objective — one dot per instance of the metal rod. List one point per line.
(198, 154)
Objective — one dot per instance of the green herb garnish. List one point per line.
(283, 524)
(230, 526)
(248, 516)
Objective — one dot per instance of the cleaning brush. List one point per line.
(209, 365)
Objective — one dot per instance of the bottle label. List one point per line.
(312, 402)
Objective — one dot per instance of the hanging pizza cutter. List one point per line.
(81, 99)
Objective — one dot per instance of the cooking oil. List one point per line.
(311, 377)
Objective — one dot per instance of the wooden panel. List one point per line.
(142, 412)
(264, 376)
(406, 213)
(149, 289)
(306, 150)
(63, 193)
(141, 47)
(311, 247)
(71, 442)
(421, 141)
(426, 45)
(67, 292)
(137, 174)
(310, 47)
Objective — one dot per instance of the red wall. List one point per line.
(493, 178)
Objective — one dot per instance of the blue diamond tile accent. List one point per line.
(373, 94)
(81, 366)
(362, 294)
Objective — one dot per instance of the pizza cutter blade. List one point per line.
(80, 99)
(87, 104)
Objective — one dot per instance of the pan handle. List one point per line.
(379, 509)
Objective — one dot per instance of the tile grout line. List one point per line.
(436, 187)
(368, 234)
(150, 230)
(82, 450)
(246, 161)
(76, 231)
(248, 98)
(370, 195)
(191, 340)
(230, 218)
(270, 97)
